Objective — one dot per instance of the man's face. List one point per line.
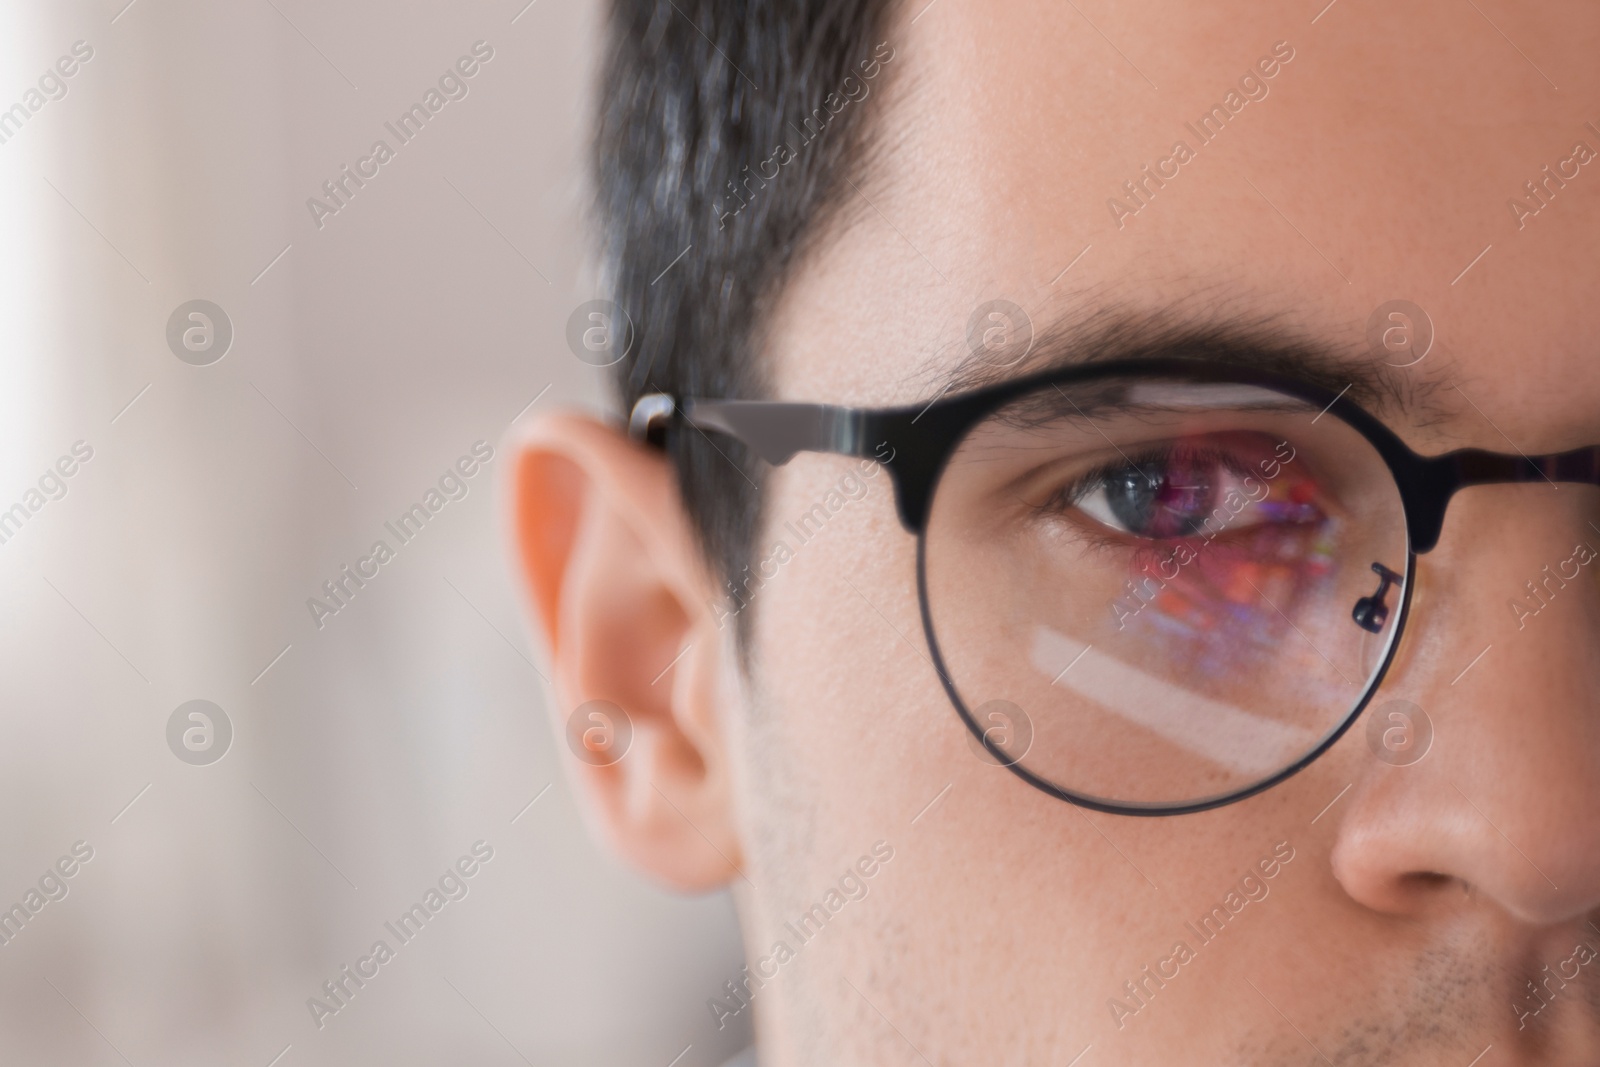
(1409, 907)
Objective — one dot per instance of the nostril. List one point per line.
(1435, 880)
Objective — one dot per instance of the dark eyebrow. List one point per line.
(1267, 343)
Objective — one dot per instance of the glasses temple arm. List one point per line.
(774, 431)
(1476, 467)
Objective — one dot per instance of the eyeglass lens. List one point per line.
(1157, 593)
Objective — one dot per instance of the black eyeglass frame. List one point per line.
(921, 439)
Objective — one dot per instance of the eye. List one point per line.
(1186, 492)
(1152, 499)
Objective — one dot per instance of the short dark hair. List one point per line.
(696, 97)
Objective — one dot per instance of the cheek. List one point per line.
(850, 726)
(851, 738)
(828, 631)
(861, 740)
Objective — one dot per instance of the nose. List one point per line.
(1507, 802)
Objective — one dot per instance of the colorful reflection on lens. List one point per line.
(1223, 597)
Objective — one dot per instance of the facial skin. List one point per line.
(1421, 900)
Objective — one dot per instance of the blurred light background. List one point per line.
(368, 355)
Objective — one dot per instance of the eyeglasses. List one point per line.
(1149, 587)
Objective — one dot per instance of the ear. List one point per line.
(616, 580)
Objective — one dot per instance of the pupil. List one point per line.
(1152, 506)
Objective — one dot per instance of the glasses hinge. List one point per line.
(648, 421)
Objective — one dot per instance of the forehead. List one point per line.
(1225, 161)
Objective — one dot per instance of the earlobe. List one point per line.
(615, 580)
